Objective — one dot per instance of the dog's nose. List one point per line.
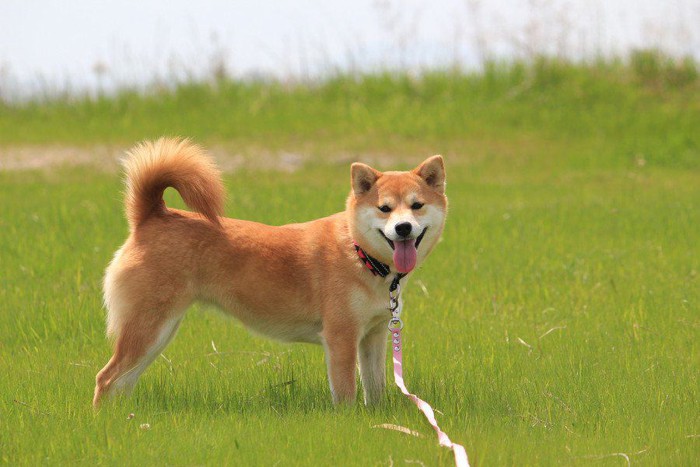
(403, 229)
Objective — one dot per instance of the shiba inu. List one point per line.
(325, 281)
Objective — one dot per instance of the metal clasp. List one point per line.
(394, 299)
(395, 323)
(393, 305)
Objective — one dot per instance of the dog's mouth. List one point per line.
(391, 242)
(405, 251)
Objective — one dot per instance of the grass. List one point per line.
(557, 322)
(648, 109)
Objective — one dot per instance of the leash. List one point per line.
(395, 326)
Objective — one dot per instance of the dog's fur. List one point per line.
(298, 282)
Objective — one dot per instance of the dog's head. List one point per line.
(398, 217)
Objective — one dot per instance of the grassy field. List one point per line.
(557, 323)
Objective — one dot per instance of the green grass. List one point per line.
(560, 320)
(614, 111)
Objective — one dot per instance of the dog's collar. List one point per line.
(377, 267)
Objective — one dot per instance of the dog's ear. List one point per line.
(432, 170)
(363, 177)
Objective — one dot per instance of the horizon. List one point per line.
(104, 46)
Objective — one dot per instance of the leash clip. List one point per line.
(395, 323)
(394, 301)
(393, 305)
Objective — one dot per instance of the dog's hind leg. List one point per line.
(138, 344)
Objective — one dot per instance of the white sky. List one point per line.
(51, 44)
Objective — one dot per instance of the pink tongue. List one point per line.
(405, 255)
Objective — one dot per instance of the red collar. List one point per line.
(377, 267)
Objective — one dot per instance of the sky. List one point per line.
(55, 45)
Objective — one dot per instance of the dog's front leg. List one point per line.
(373, 363)
(340, 342)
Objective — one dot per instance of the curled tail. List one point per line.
(151, 167)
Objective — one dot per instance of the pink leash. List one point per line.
(395, 326)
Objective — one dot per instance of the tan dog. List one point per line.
(298, 282)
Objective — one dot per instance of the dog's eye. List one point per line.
(384, 208)
(416, 205)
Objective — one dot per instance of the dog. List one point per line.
(325, 281)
